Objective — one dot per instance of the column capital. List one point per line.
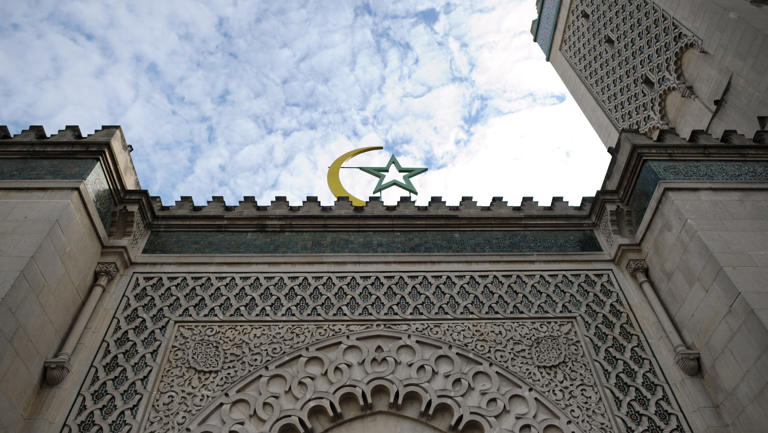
(107, 269)
(689, 361)
(56, 369)
(637, 265)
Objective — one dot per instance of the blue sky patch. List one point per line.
(257, 98)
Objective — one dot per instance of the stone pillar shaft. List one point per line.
(83, 316)
(686, 359)
(57, 368)
(660, 312)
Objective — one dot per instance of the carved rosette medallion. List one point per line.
(205, 356)
(548, 351)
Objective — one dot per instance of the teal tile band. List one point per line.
(654, 172)
(46, 169)
(88, 171)
(97, 186)
(546, 25)
(369, 242)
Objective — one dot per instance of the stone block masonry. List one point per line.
(706, 250)
(47, 256)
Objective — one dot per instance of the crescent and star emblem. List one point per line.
(338, 190)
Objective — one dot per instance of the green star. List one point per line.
(381, 173)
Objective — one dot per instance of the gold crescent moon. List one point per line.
(334, 182)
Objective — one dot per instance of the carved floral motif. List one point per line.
(116, 393)
(205, 355)
(408, 369)
(570, 386)
(548, 351)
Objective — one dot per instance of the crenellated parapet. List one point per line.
(107, 145)
(97, 167)
(640, 165)
(69, 133)
(280, 205)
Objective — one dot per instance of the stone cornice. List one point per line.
(107, 144)
(633, 149)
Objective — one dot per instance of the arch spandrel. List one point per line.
(360, 369)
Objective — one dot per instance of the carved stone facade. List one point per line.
(628, 54)
(588, 370)
(319, 318)
(283, 372)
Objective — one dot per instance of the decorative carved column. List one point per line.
(57, 368)
(685, 358)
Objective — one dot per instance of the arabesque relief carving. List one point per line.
(546, 355)
(368, 368)
(117, 392)
(627, 63)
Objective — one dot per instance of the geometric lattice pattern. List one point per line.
(117, 388)
(627, 53)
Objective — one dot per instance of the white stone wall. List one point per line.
(707, 252)
(735, 34)
(48, 249)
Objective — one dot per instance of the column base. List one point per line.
(688, 361)
(56, 369)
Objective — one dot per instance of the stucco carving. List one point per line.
(116, 391)
(546, 354)
(627, 64)
(382, 367)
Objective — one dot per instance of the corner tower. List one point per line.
(649, 65)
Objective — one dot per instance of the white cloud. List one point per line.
(257, 98)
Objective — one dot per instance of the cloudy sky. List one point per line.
(259, 97)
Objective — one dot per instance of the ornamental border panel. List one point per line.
(116, 390)
(504, 374)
